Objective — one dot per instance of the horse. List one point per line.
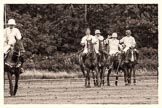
(11, 60)
(131, 57)
(116, 64)
(90, 65)
(102, 60)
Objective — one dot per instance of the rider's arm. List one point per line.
(18, 34)
(121, 41)
(5, 36)
(133, 42)
(82, 41)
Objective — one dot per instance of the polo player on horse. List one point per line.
(88, 36)
(114, 48)
(128, 42)
(11, 35)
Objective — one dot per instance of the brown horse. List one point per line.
(116, 64)
(11, 61)
(90, 64)
(131, 56)
(102, 60)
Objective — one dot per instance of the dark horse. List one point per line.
(11, 61)
(90, 64)
(116, 64)
(102, 60)
(131, 56)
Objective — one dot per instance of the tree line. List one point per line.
(58, 28)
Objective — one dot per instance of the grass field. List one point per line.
(72, 91)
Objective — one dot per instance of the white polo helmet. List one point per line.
(97, 32)
(114, 35)
(11, 22)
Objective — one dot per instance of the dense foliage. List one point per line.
(58, 28)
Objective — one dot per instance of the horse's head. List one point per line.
(90, 46)
(132, 56)
(18, 46)
(101, 45)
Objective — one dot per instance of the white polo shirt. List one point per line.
(84, 41)
(98, 38)
(9, 37)
(113, 45)
(129, 41)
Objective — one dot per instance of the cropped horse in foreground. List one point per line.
(11, 61)
(90, 65)
(131, 58)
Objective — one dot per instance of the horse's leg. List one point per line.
(16, 82)
(10, 83)
(88, 76)
(126, 75)
(117, 77)
(129, 76)
(94, 78)
(102, 76)
(125, 79)
(86, 79)
(98, 77)
(108, 76)
(116, 81)
(134, 76)
(82, 69)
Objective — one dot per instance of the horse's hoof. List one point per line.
(135, 84)
(12, 95)
(99, 85)
(88, 86)
(108, 84)
(129, 84)
(126, 84)
(116, 83)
